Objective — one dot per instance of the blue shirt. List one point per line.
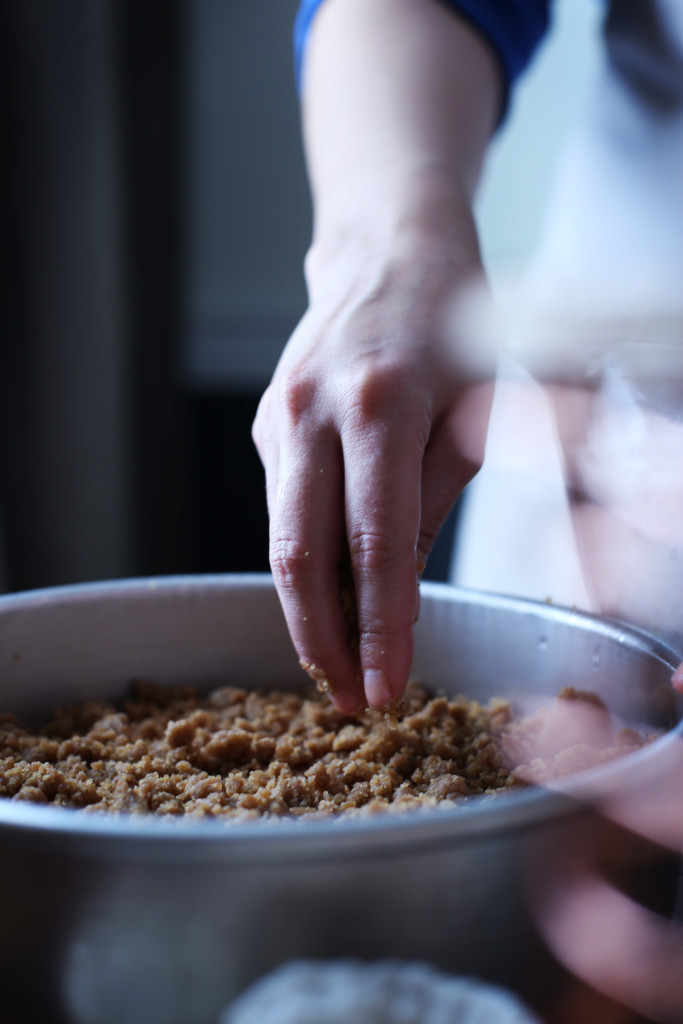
(512, 28)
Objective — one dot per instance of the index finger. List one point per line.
(306, 532)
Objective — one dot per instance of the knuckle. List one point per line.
(375, 389)
(385, 403)
(298, 393)
(374, 634)
(373, 552)
(378, 634)
(289, 561)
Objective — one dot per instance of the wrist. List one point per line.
(422, 220)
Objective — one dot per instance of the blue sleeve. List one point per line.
(512, 28)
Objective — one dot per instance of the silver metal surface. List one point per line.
(106, 919)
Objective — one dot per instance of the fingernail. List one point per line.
(677, 678)
(377, 688)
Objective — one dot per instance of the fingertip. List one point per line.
(377, 689)
(386, 662)
(346, 702)
(346, 697)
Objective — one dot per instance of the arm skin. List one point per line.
(366, 431)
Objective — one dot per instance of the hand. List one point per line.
(604, 937)
(584, 890)
(368, 433)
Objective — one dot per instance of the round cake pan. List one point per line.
(110, 918)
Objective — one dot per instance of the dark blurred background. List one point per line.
(155, 216)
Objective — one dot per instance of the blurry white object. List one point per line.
(611, 253)
(577, 342)
(384, 992)
(612, 241)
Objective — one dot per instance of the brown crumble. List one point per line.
(238, 753)
(322, 682)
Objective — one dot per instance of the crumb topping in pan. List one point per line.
(240, 753)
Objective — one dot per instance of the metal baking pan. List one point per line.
(106, 919)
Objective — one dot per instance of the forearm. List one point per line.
(399, 101)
